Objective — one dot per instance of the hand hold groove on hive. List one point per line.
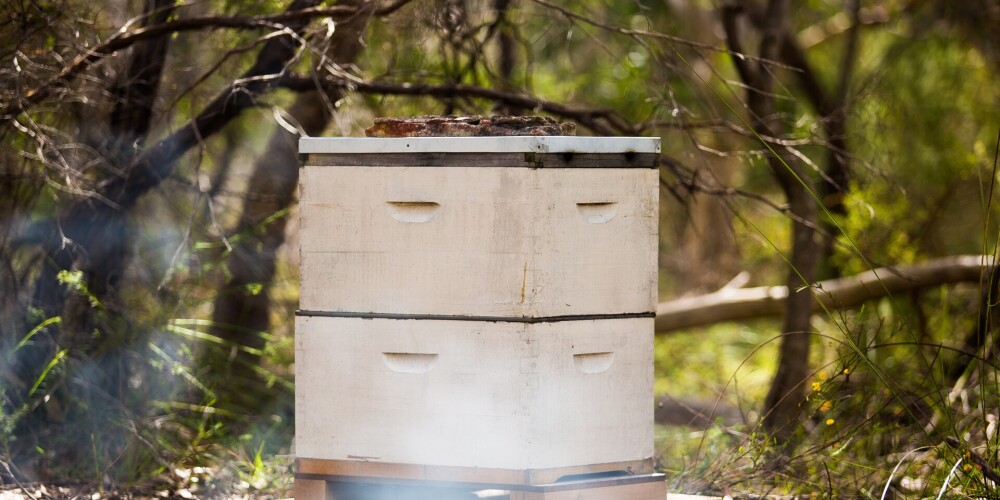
(409, 362)
(597, 213)
(594, 362)
(413, 211)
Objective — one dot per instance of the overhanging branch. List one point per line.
(600, 120)
(157, 162)
(126, 38)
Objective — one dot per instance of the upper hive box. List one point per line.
(486, 227)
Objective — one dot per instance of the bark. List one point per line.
(734, 304)
(243, 306)
(781, 407)
(507, 55)
(832, 108)
(505, 40)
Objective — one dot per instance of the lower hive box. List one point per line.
(500, 401)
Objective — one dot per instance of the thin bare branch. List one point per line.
(730, 13)
(392, 7)
(599, 120)
(659, 36)
(125, 39)
(732, 127)
(157, 162)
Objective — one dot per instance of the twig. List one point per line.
(157, 162)
(393, 7)
(976, 458)
(125, 39)
(661, 36)
(728, 125)
(588, 117)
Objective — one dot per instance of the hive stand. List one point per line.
(642, 487)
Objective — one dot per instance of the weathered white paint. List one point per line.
(515, 144)
(485, 241)
(474, 394)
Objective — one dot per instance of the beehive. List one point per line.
(476, 308)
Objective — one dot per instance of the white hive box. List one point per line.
(476, 309)
(521, 227)
(487, 395)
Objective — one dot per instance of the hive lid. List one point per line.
(508, 144)
(468, 126)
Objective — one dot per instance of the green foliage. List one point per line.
(922, 119)
(75, 281)
(924, 134)
(935, 130)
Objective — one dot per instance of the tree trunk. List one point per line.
(78, 238)
(96, 245)
(243, 306)
(91, 235)
(781, 407)
(832, 109)
(97, 233)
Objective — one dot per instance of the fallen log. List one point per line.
(733, 303)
